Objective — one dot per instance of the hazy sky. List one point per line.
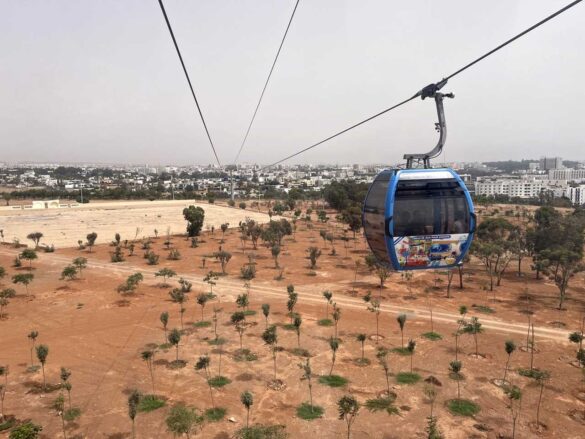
(99, 80)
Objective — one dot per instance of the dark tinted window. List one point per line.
(430, 207)
(374, 215)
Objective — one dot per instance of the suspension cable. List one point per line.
(432, 87)
(189, 81)
(266, 83)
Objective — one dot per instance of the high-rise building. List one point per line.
(548, 163)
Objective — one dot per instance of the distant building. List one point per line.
(513, 188)
(548, 163)
(576, 194)
(566, 174)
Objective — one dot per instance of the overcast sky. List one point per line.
(100, 81)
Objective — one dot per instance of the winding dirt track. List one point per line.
(228, 288)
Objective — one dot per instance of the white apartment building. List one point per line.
(576, 194)
(513, 188)
(566, 174)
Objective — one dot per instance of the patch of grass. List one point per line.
(333, 380)
(309, 412)
(529, 373)
(301, 352)
(215, 414)
(249, 312)
(202, 324)
(312, 273)
(382, 404)
(401, 351)
(483, 309)
(362, 361)
(72, 414)
(407, 378)
(432, 336)
(177, 364)
(33, 369)
(219, 381)
(463, 407)
(7, 424)
(165, 346)
(288, 326)
(217, 341)
(149, 403)
(245, 355)
(325, 322)
(262, 432)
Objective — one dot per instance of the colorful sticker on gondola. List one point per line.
(432, 251)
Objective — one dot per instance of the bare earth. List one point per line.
(65, 226)
(91, 330)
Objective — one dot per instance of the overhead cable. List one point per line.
(266, 83)
(429, 88)
(189, 81)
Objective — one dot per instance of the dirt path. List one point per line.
(229, 289)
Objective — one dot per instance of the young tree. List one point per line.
(179, 297)
(164, 319)
(328, 295)
(65, 383)
(35, 237)
(24, 279)
(334, 345)
(224, 227)
(80, 263)
(247, 400)
(175, 339)
(42, 354)
(201, 301)
(165, 273)
(514, 395)
(211, 279)
(3, 387)
(133, 401)
(510, 347)
(348, 408)
(270, 338)
(242, 301)
(308, 376)
(411, 346)
(91, 239)
(474, 328)
(493, 245)
(401, 319)
(238, 319)
(297, 324)
(32, 336)
(275, 250)
(291, 303)
(28, 254)
(183, 421)
(194, 217)
(59, 406)
(382, 356)
(3, 304)
(132, 282)
(455, 369)
(314, 254)
(541, 378)
(266, 312)
(148, 357)
(362, 339)
(374, 306)
(460, 323)
(203, 364)
(336, 314)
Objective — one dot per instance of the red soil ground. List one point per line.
(92, 331)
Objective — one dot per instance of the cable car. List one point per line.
(420, 218)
